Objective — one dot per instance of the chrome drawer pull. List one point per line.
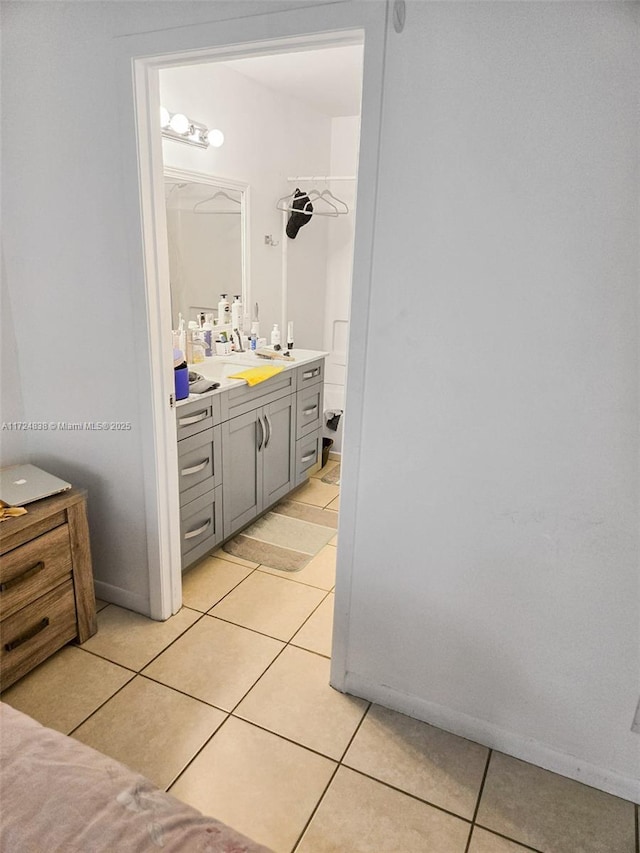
(22, 577)
(308, 456)
(194, 470)
(193, 533)
(193, 419)
(268, 423)
(9, 647)
(261, 439)
(310, 373)
(310, 410)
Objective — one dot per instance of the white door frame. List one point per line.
(142, 56)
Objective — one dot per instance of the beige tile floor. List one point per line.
(227, 705)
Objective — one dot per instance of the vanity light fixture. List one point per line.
(181, 128)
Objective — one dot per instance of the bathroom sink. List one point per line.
(219, 368)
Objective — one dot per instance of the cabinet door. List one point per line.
(243, 440)
(279, 449)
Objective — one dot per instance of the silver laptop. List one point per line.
(22, 484)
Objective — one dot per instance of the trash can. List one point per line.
(327, 444)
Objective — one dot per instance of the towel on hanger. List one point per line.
(301, 201)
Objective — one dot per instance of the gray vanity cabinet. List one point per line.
(258, 461)
(242, 450)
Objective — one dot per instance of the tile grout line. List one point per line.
(329, 783)
(129, 669)
(269, 570)
(229, 714)
(233, 588)
(480, 790)
(244, 695)
(415, 797)
(522, 844)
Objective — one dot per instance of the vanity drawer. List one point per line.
(246, 398)
(31, 570)
(308, 453)
(200, 526)
(310, 374)
(195, 417)
(199, 464)
(32, 634)
(309, 409)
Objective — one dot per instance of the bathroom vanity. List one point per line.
(242, 448)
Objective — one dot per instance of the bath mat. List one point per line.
(333, 475)
(285, 538)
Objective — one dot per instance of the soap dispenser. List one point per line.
(223, 310)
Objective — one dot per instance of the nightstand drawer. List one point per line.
(29, 571)
(32, 634)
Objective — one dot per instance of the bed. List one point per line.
(60, 796)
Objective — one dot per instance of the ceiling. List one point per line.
(328, 80)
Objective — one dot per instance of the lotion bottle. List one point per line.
(236, 314)
(275, 337)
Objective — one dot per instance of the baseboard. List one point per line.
(495, 737)
(122, 597)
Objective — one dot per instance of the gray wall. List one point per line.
(494, 583)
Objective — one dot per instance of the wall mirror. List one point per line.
(207, 221)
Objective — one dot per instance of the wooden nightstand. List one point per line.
(46, 584)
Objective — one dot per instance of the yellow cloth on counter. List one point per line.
(257, 374)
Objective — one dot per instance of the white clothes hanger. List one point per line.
(286, 201)
(286, 204)
(327, 194)
(211, 198)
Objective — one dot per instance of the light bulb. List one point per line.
(179, 123)
(216, 138)
(165, 117)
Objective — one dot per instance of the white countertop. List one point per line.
(218, 367)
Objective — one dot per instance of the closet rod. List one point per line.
(323, 178)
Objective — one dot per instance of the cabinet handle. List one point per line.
(310, 410)
(311, 373)
(268, 422)
(22, 577)
(193, 533)
(194, 470)
(308, 456)
(9, 647)
(259, 442)
(193, 419)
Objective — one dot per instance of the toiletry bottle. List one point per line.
(236, 314)
(180, 374)
(224, 315)
(290, 335)
(275, 337)
(207, 329)
(198, 347)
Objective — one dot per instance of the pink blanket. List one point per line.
(58, 795)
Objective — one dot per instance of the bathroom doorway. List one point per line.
(352, 27)
(290, 126)
(332, 145)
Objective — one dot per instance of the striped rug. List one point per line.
(333, 475)
(287, 537)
